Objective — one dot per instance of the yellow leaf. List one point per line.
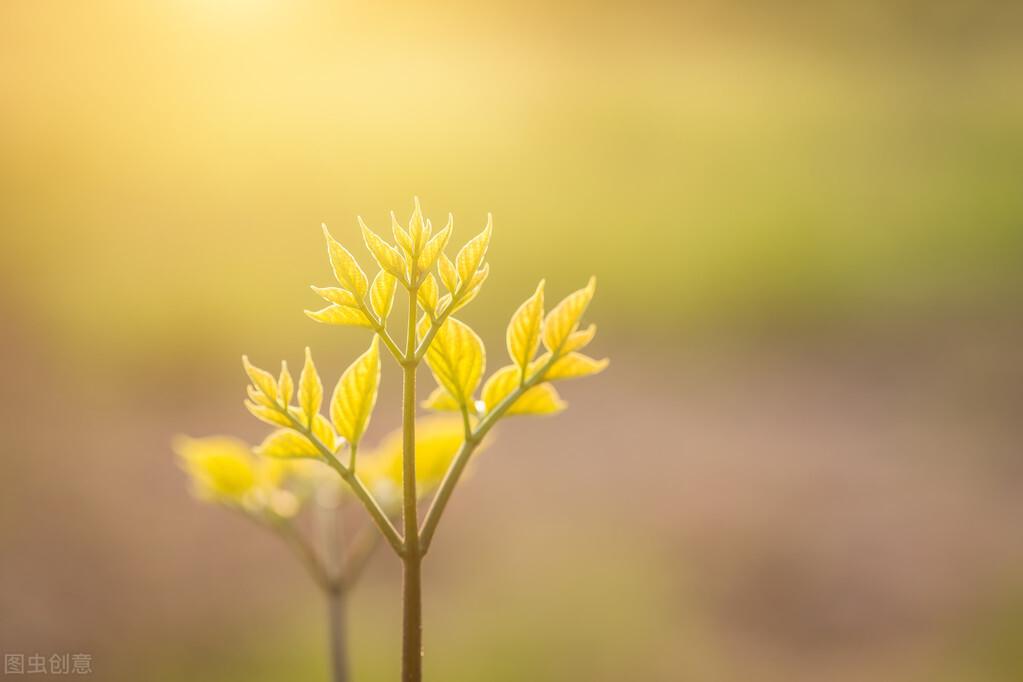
(324, 431)
(541, 399)
(287, 444)
(310, 390)
(401, 237)
(574, 365)
(456, 357)
(470, 258)
(269, 415)
(563, 320)
(385, 254)
(427, 295)
(440, 400)
(337, 295)
(438, 439)
(434, 247)
(346, 270)
(356, 394)
(381, 294)
(448, 274)
(523, 335)
(221, 468)
(340, 314)
(418, 229)
(285, 384)
(580, 339)
(261, 379)
(257, 396)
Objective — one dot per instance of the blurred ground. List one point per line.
(839, 508)
(807, 226)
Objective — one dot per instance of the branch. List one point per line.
(367, 499)
(472, 441)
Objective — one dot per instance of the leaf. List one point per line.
(221, 468)
(310, 390)
(340, 314)
(337, 295)
(456, 357)
(563, 320)
(523, 335)
(401, 237)
(269, 415)
(574, 365)
(285, 384)
(580, 339)
(385, 254)
(471, 256)
(324, 431)
(346, 269)
(434, 247)
(258, 397)
(440, 400)
(541, 399)
(418, 229)
(381, 294)
(448, 274)
(261, 379)
(356, 394)
(427, 295)
(287, 444)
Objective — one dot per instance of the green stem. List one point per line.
(337, 599)
(412, 608)
(472, 440)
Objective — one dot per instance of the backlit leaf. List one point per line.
(456, 358)
(574, 365)
(340, 314)
(427, 295)
(448, 274)
(386, 255)
(356, 394)
(337, 295)
(286, 444)
(541, 399)
(285, 384)
(381, 294)
(401, 237)
(440, 400)
(434, 247)
(470, 258)
(270, 415)
(563, 320)
(346, 270)
(580, 339)
(523, 335)
(310, 390)
(261, 379)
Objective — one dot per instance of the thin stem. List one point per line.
(305, 553)
(365, 496)
(337, 600)
(357, 555)
(472, 440)
(335, 594)
(412, 615)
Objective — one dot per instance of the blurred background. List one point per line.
(806, 219)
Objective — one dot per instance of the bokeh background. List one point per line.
(807, 223)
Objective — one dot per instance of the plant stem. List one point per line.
(336, 605)
(412, 615)
(335, 591)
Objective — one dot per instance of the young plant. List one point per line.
(456, 358)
